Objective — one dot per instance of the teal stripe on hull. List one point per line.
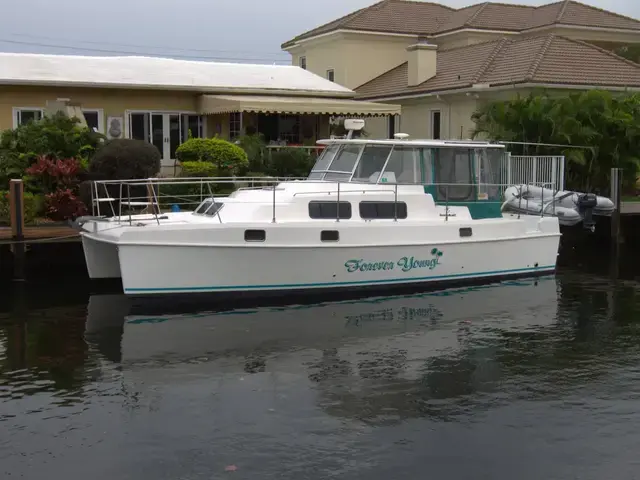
(339, 284)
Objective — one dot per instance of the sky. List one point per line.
(217, 30)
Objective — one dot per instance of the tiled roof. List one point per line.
(426, 18)
(547, 59)
(389, 16)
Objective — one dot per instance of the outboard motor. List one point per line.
(586, 203)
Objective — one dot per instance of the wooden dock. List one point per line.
(41, 233)
(630, 208)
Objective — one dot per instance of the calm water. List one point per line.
(522, 380)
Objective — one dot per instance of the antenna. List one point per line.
(353, 125)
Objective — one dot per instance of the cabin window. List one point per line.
(342, 165)
(303, 62)
(466, 232)
(255, 235)
(454, 174)
(402, 166)
(323, 162)
(371, 163)
(329, 236)
(209, 207)
(383, 210)
(329, 210)
(491, 169)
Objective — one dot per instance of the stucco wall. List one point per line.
(114, 102)
(355, 58)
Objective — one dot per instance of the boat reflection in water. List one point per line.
(420, 323)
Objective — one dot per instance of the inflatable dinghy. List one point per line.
(570, 207)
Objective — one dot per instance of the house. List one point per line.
(163, 101)
(441, 63)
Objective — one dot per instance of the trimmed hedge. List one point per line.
(125, 158)
(226, 156)
(198, 169)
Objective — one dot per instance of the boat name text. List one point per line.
(405, 263)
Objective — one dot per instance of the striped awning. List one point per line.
(212, 104)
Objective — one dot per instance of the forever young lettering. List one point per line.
(405, 264)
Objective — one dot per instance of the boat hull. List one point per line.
(170, 270)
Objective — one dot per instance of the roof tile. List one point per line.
(541, 59)
(427, 18)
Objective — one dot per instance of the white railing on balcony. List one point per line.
(548, 170)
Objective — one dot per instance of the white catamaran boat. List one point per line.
(372, 213)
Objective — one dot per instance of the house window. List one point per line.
(94, 119)
(435, 124)
(192, 125)
(329, 210)
(235, 125)
(391, 125)
(330, 75)
(24, 115)
(303, 63)
(383, 210)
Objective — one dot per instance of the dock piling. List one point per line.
(16, 207)
(616, 189)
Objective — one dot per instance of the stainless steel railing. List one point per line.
(156, 196)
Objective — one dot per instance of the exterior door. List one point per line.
(166, 135)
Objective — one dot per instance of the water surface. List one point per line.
(534, 379)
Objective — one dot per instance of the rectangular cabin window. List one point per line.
(402, 166)
(466, 232)
(255, 235)
(303, 63)
(329, 236)
(331, 75)
(383, 210)
(371, 163)
(454, 175)
(329, 210)
(491, 169)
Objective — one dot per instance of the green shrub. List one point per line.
(198, 169)
(194, 150)
(125, 158)
(226, 156)
(57, 136)
(33, 207)
(255, 147)
(290, 163)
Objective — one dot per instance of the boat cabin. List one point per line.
(466, 173)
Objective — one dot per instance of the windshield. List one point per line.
(336, 163)
(372, 161)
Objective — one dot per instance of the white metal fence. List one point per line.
(547, 170)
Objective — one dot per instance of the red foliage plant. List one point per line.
(63, 204)
(55, 172)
